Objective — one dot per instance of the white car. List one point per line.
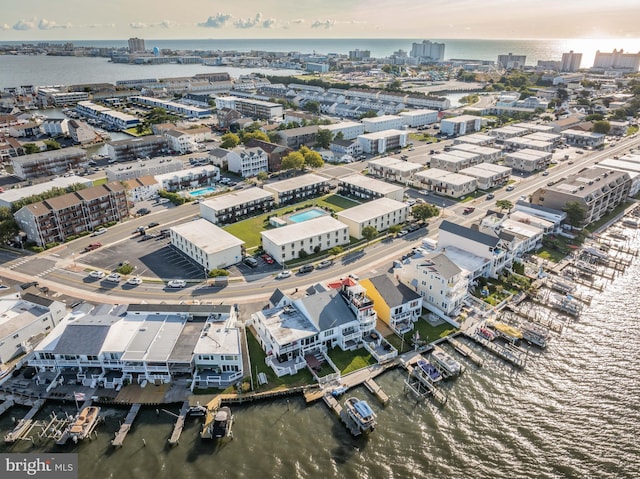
(134, 281)
(283, 274)
(423, 192)
(177, 283)
(99, 231)
(113, 277)
(97, 274)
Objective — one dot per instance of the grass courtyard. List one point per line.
(249, 230)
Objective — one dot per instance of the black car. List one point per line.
(153, 225)
(143, 211)
(412, 228)
(307, 268)
(28, 285)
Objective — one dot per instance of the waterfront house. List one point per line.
(396, 304)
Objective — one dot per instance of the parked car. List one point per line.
(307, 268)
(252, 262)
(113, 277)
(324, 264)
(147, 237)
(28, 285)
(402, 233)
(545, 173)
(135, 281)
(97, 274)
(468, 209)
(162, 201)
(268, 259)
(177, 283)
(354, 276)
(285, 273)
(423, 192)
(510, 188)
(153, 224)
(143, 211)
(99, 231)
(491, 196)
(412, 228)
(91, 247)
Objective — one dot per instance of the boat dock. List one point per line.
(374, 389)
(179, 425)
(509, 353)
(465, 351)
(420, 385)
(549, 323)
(118, 440)
(4, 407)
(25, 424)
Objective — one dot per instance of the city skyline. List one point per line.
(43, 20)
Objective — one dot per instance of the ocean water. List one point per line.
(573, 412)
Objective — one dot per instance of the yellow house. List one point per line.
(396, 304)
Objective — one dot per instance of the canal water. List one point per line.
(573, 412)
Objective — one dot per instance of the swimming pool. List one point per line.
(306, 215)
(203, 191)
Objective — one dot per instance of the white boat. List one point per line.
(535, 334)
(446, 362)
(361, 414)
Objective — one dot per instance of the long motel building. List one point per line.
(293, 333)
(454, 160)
(487, 154)
(488, 175)
(318, 234)
(528, 160)
(237, 205)
(207, 244)
(299, 188)
(393, 169)
(478, 139)
(367, 188)
(445, 182)
(381, 214)
(143, 344)
(381, 141)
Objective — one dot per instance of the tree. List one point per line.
(576, 214)
(251, 127)
(368, 114)
(312, 159)
(8, 225)
(601, 126)
(293, 160)
(255, 135)
(395, 229)
(504, 205)
(31, 148)
(424, 211)
(369, 232)
(262, 176)
(324, 138)
(336, 250)
(52, 145)
(217, 272)
(312, 107)
(230, 140)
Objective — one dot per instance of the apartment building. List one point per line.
(478, 139)
(382, 141)
(152, 167)
(350, 129)
(460, 125)
(597, 190)
(10, 196)
(445, 182)
(236, 205)
(511, 61)
(296, 137)
(454, 160)
(55, 219)
(381, 123)
(486, 153)
(297, 189)
(257, 109)
(248, 162)
(142, 188)
(113, 119)
(182, 109)
(583, 138)
(528, 160)
(393, 169)
(381, 213)
(416, 118)
(488, 175)
(49, 163)
(366, 188)
(135, 148)
(188, 178)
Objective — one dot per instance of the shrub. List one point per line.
(214, 273)
(302, 254)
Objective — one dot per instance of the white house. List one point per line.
(382, 141)
(207, 244)
(142, 188)
(381, 123)
(445, 182)
(248, 162)
(55, 127)
(460, 125)
(381, 214)
(488, 175)
(416, 118)
(318, 234)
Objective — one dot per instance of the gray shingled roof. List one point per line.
(465, 232)
(85, 339)
(393, 292)
(328, 310)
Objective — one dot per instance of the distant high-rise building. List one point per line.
(617, 60)
(136, 45)
(359, 54)
(428, 51)
(511, 61)
(571, 62)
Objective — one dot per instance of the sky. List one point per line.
(193, 19)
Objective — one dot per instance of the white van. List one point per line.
(429, 243)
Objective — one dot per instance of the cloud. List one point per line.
(45, 24)
(24, 25)
(257, 21)
(216, 21)
(167, 24)
(269, 22)
(5, 26)
(323, 24)
(101, 25)
(138, 25)
(298, 20)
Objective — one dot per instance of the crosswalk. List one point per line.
(42, 273)
(19, 263)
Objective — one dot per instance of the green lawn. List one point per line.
(258, 365)
(349, 361)
(99, 181)
(427, 333)
(249, 230)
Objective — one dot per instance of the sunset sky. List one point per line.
(193, 19)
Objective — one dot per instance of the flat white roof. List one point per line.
(372, 209)
(381, 119)
(371, 184)
(510, 129)
(474, 138)
(462, 119)
(207, 236)
(468, 155)
(395, 163)
(305, 229)
(9, 196)
(445, 176)
(235, 198)
(479, 149)
(341, 125)
(485, 170)
(583, 134)
(543, 136)
(294, 183)
(382, 134)
(218, 340)
(529, 154)
(423, 111)
(529, 142)
(187, 171)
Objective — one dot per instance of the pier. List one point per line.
(118, 440)
(511, 354)
(179, 425)
(465, 351)
(420, 385)
(337, 408)
(374, 389)
(25, 424)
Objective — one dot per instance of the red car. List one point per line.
(91, 247)
(268, 259)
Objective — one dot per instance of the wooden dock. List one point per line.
(337, 408)
(179, 425)
(24, 424)
(512, 354)
(118, 440)
(465, 351)
(374, 389)
(420, 385)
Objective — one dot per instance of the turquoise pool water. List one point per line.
(203, 191)
(306, 215)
